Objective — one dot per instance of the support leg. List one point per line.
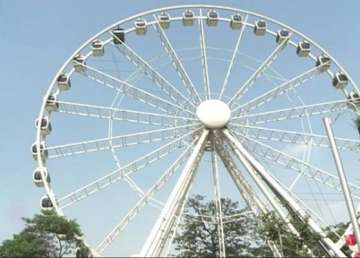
(162, 229)
(246, 157)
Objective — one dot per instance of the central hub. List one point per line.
(213, 113)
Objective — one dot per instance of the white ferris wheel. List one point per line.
(150, 108)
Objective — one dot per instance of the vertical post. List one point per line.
(343, 179)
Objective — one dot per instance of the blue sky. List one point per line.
(36, 37)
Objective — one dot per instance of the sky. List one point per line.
(36, 37)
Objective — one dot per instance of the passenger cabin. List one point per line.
(63, 82)
(354, 99)
(340, 80)
(164, 20)
(45, 125)
(118, 36)
(260, 28)
(79, 63)
(140, 26)
(37, 177)
(303, 49)
(212, 18)
(236, 21)
(97, 47)
(51, 104)
(43, 151)
(188, 18)
(45, 203)
(282, 35)
(324, 62)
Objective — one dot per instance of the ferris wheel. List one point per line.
(148, 109)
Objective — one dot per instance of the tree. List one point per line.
(197, 238)
(334, 231)
(291, 245)
(46, 235)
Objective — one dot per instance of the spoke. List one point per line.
(261, 69)
(279, 90)
(121, 141)
(120, 173)
(132, 116)
(177, 63)
(294, 112)
(294, 137)
(132, 91)
(204, 57)
(235, 52)
(143, 201)
(154, 75)
(135, 187)
(219, 215)
(158, 237)
(298, 165)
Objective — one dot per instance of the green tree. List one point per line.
(291, 245)
(334, 231)
(196, 238)
(46, 235)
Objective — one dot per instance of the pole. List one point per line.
(343, 179)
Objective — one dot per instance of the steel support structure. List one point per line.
(219, 216)
(162, 229)
(280, 191)
(343, 180)
(255, 204)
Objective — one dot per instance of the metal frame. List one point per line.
(177, 115)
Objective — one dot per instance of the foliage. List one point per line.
(291, 245)
(335, 231)
(46, 235)
(24, 245)
(197, 238)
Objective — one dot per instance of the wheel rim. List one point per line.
(178, 115)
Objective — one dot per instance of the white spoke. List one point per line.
(177, 63)
(154, 75)
(128, 169)
(143, 201)
(262, 68)
(219, 215)
(120, 141)
(135, 187)
(132, 91)
(279, 90)
(294, 137)
(294, 112)
(295, 164)
(235, 52)
(158, 237)
(204, 57)
(132, 116)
